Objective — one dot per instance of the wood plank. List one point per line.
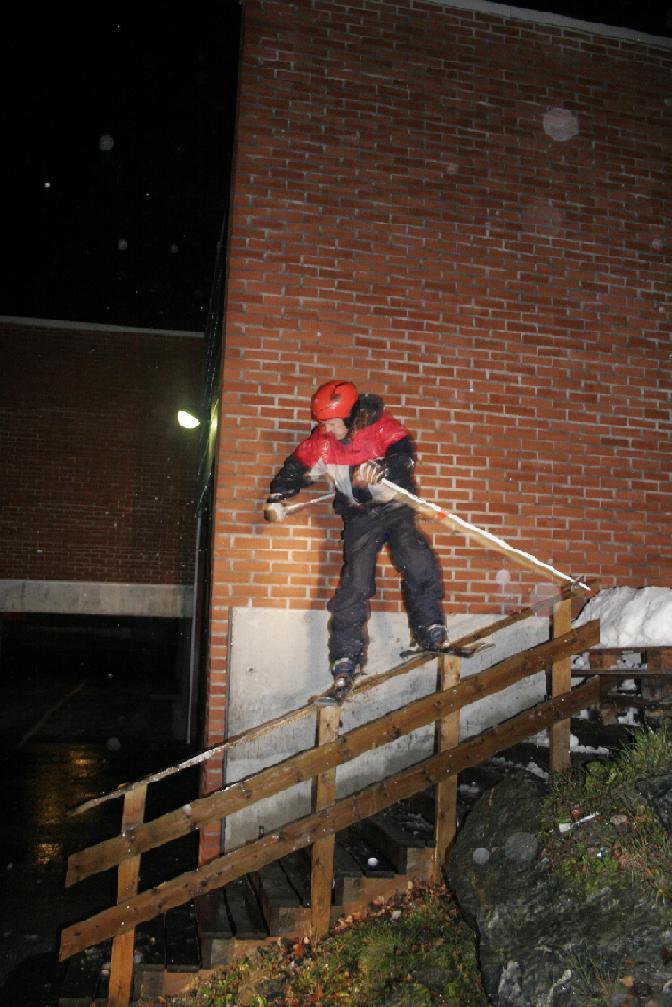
(322, 853)
(278, 901)
(559, 753)
(364, 684)
(183, 953)
(212, 916)
(447, 736)
(248, 922)
(624, 673)
(121, 968)
(348, 875)
(572, 590)
(309, 763)
(254, 855)
(297, 867)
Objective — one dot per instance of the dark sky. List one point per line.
(128, 235)
(125, 235)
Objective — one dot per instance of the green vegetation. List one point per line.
(624, 841)
(413, 951)
(416, 951)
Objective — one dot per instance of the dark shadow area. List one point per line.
(84, 706)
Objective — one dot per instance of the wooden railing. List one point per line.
(319, 764)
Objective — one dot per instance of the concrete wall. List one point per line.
(162, 601)
(278, 660)
(467, 209)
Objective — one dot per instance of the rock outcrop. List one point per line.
(541, 946)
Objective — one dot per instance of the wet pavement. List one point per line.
(72, 729)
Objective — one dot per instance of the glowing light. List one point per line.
(187, 420)
(106, 142)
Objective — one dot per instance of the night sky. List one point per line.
(118, 134)
(126, 234)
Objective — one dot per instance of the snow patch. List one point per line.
(631, 617)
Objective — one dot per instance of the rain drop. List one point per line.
(105, 142)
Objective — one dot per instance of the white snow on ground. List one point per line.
(631, 616)
(541, 741)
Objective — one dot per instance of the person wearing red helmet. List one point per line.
(355, 444)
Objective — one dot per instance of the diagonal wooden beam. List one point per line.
(304, 831)
(362, 685)
(314, 761)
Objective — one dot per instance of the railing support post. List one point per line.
(559, 755)
(445, 792)
(121, 967)
(324, 795)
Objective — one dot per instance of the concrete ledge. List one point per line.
(60, 597)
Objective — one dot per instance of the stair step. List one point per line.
(278, 900)
(183, 953)
(297, 868)
(213, 916)
(371, 861)
(86, 977)
(348, 875)
(244, 910)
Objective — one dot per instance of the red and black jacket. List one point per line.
(373, 436)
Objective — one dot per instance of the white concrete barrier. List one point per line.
(278, 659)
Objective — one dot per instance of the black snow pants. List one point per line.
(364, 534)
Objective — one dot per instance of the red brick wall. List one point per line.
(402, 218)
(98, 481)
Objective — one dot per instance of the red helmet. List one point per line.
(333, 400)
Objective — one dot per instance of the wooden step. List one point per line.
(348, 875)
(297, 868)
(183, 953)
(86, 977)
(244, 910)
(372, 862)
(399, 846)
(279, 902)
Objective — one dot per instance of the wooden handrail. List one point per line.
(305, 831)
(362, 685)
(314, 761)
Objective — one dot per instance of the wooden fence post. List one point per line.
(559, 754)
(445, 792)
(121, 968)
(324, 795)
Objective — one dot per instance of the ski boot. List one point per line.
(344, 671)
(429, 639)
(433, 638)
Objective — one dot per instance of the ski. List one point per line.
(468, 650)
